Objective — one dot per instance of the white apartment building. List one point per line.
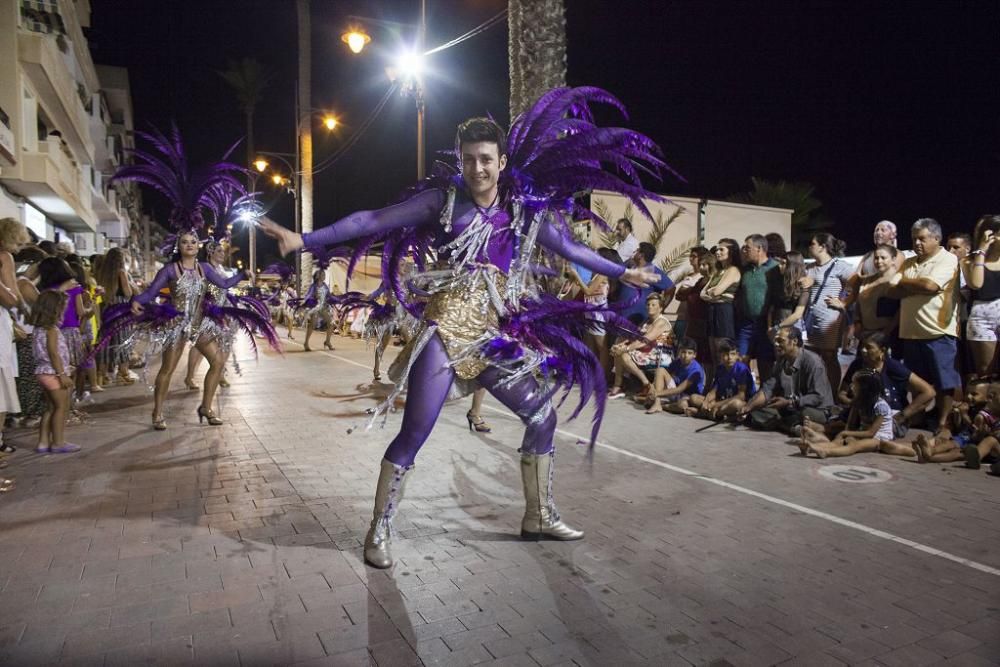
(64, 128)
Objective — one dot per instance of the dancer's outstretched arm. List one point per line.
(416, 211)
(214, 277)
(161, 280)
(562, 245)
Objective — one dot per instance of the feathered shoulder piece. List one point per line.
(191, 192)
(556, 151)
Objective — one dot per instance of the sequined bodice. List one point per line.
(217, 293)
(187, 293)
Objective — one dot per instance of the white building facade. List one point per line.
(65, 126)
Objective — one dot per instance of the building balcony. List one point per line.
(54, 184)
(45, 66)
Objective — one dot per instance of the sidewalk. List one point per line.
(241, 544)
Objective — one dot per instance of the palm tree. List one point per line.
(248, 79)
(537, 50)
(797, 196)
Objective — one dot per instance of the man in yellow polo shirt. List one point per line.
(927, 287)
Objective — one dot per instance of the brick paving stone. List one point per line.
(188, 624)
(911, 655)
(951, 643)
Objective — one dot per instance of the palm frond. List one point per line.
(629, 213)
(678, 255)
(661, 224)
(607, 238)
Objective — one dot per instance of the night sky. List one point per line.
(891, 109)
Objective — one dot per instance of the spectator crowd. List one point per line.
(842, 356)
(52, 300)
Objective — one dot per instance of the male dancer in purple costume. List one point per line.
(482, 147)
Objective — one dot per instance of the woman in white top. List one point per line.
(649, 352)
(12, 235)
(827, 279)
(982, 275)
(596, 293)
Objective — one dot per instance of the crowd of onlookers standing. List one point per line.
(762, 336)
(50, 305)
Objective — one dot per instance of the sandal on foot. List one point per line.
(7, 449)
(65, 448)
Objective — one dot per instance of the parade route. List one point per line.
(241, 544)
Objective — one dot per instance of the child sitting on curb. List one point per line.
(732, 386)
(679, 381)
(870, 415)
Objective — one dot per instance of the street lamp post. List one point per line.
(357, 39)
(296, 171)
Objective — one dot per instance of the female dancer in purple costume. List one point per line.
(480, 211)
(186, 277)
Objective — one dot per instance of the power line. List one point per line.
(483, 27)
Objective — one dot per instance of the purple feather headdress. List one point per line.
(191, 193)
(556, 151)
(281, 270)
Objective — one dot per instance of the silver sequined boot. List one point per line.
(388, 495)
(541, 518)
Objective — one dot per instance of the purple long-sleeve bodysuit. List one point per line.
(430, 374)
(169, 273)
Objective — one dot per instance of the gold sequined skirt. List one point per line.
(463, 314)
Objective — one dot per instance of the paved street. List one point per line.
(241, 545)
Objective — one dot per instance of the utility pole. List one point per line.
(305, 135)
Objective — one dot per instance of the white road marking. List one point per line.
(874, 532)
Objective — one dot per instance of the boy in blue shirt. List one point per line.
(732, 386)
(683, 378)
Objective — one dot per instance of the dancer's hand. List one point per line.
(65, 381)
(640, 277)
(288, 240)
(137, 308)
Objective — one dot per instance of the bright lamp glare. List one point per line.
(246, 217)
(410, 65)
(260, 164)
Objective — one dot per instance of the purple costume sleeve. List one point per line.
(416, 211)
(562, 245)
(162, 279)
(212, 276)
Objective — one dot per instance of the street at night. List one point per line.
(524, 333)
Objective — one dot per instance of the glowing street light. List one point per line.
(356, 39)
(260, 164)
(410, 65)
(277, 179)
(330, 122)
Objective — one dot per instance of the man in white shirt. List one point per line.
(627, 243)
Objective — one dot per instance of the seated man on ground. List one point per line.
(798, 388)
(871, 421)
(679, 381)
(732, 386)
